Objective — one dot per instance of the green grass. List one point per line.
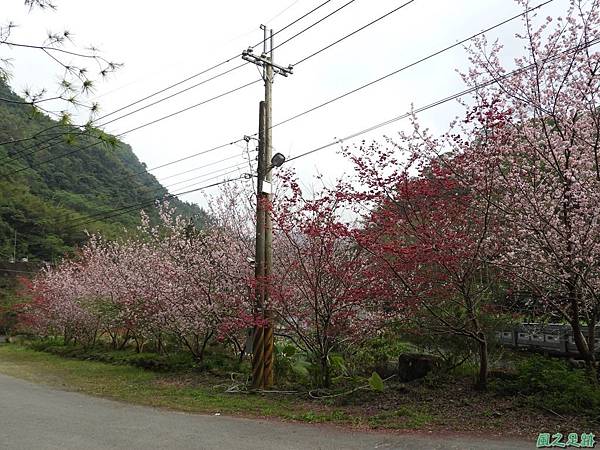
(426, 406)
(184, 392)
(404, 417)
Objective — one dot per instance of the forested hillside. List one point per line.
(48, 202)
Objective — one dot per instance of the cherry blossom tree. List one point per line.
(527, 154)
(428, 241)
(542, 128)
(167, 281)
(321, 290)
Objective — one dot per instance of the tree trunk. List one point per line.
(139, 344)
(125, 341)
(591, 368)
(325, 372)
(483, 365)
(207, 337)
(584, 349)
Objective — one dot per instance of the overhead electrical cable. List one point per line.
(128, 209)
(183, 81)
(343, 38)
(168, 116)
(203, 152)
(420, 109)
(238, 165)
(352, 91)
(226, 171)
(401, 69)
(23, 152)
(162, 190)
(178, 83)
(137, 127)
(408, 66)
(154, 94)
(131, 207)
(172, 95)
(314, 24)
(294, 22)
(445, 49)
(442, 101)
(198, 168)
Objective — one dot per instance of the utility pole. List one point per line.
(258, 360)
(263, 341)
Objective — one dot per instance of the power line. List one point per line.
(22, 152)
(406, 115)
(203, 152)
(212, 175)
(50, 160)
(234, 166)
(291, 23)
(160, 91)
(139, 127)
(408, 66)
(355, 31)
(173, 95)
(13, 157)
(323, 49)
(226, 171)
(198, 168)
(191, 107)
(207, 80)
(145, 98)
(397, 118)
(280, 13)
(154, 94)
(167, 186)
(360, 87)
(164, 197)
(441, 101)
(387, 122)
(215, 66)
(419, 61)
(313, 24)
(16, 141)
(401, 69)
(161, 179)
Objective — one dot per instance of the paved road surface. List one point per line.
(38, 417)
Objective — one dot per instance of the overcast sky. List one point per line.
(161, 43)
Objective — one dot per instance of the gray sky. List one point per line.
(164, 42)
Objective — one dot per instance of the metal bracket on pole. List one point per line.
(262, 60)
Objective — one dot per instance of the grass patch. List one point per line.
(184, 392)
(404, 417)
(451, 405)
(172, 362)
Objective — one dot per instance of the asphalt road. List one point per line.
(38, 417)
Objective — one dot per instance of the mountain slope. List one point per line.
(42, 204)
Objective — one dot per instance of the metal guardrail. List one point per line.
(552, 338)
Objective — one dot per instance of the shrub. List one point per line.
(376, 353)
(552, 384)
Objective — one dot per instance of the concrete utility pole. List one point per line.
(263, 342)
